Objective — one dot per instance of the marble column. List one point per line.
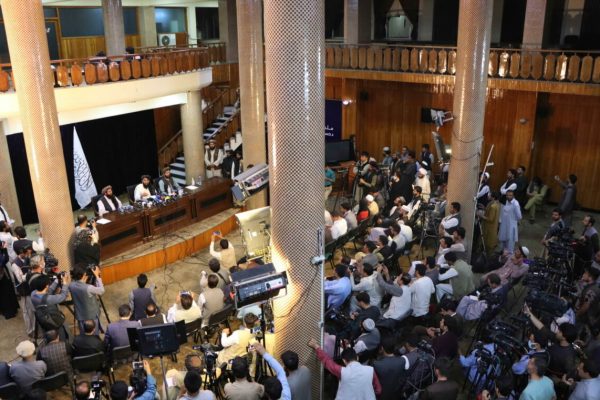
(147, 26)
(357, 21)
(473, 49)
(533, 31)
(114, 28)
(193, 143)
(252, 88)
(295, 62)
(28, 48)
(8, 189)
(228, 29)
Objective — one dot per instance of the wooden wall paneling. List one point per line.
(333, 88)
(4, 81)
(350, 88)
(567, 142)
(89, 46)
(337, 54)
(167, 122)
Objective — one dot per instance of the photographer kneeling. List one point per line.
(85, 295)
(142, 382)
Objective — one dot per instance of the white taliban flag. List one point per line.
(85, 188)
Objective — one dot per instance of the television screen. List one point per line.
(336, 152)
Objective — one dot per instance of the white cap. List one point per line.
(525, 251)
(422, 171)
(386, 149)
(405, 208)
(25, 349)
(369, 198)
(368, 324)
(487, 175)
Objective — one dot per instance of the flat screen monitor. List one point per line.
(336, 152)
(158, 339)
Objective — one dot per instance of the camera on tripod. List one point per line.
(96, 389)
(210, 355)
(546, 303)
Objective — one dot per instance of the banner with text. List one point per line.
(333, 120)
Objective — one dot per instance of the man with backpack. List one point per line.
(45, 297)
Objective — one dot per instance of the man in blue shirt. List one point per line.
(276, 387)
(540, 387)
(144, 390)
(329, 180)
(588, 388)
(338, 290)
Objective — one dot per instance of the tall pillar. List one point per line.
(425, 28)
(295, 62)
(193, 143)
(228, 28)
(252, 88)
(114, 28)
(147, 26)
(28, 48)
(9, 198)
(473, 49)
(533, 31)
(357, 21)
(192, 29)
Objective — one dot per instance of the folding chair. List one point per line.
(54, 382)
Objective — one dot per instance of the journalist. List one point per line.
(83, 223)
(142, 382)
(85, 251)
(85, 295)
(47, 294)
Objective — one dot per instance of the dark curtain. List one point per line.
(590, 28)
(445, 21)
(411, 9)
(118, 150)
(513, 21)
(380, 9)
(553, 23)
(334, 18)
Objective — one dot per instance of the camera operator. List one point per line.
(84, 295)
(471, 307)
(235, 345)
(142, 382)
(401, 293)
(26, 271)
(537, 344)
(443, 388)
(192, 389)
(85, 251)
(556, 228)
(587, 306)
(504, 389)
(84, 224)
(242, 388)
(480, 363)
(367, 282)
(540, 387)
(562, 354)
(339, 288)
(276, 387)
(365, 310)
(82, 390)
(193, 363)
(51, 292)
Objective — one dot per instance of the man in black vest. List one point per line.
(108, 202)
(166, 184)
(142, 296)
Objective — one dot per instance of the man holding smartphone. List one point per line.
(227, 254)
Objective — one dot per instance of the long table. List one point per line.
(130, 229)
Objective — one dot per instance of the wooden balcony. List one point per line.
(153, 62)
(554, 71)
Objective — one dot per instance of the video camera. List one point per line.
(90, 223)
(339, 323)
(89, 271)
(96, 389)
(210, 356)
(546, 303)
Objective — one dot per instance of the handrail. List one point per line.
(522, 64)
(179, 133)
(216, 50)
(92, 70)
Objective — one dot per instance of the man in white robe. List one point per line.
(510, 215)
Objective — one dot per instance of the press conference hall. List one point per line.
(319, 199)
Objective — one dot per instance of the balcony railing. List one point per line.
(545, 65)
(94, 70)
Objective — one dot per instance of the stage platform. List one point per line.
(167, 248)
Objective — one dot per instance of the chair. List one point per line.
(119, 355)
(360, 231)
(130, 193)
(92, 363)
(193, 329)
(220, 317)
(95, 203)
(330, 251)
(10, 391)
(53, 382)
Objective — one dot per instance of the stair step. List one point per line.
(180, 181)
(178, 166)
(180, 159)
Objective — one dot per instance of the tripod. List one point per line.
(263, 369)
(342, 190)
(426, 218)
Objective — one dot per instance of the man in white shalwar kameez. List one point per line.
(510, 215)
